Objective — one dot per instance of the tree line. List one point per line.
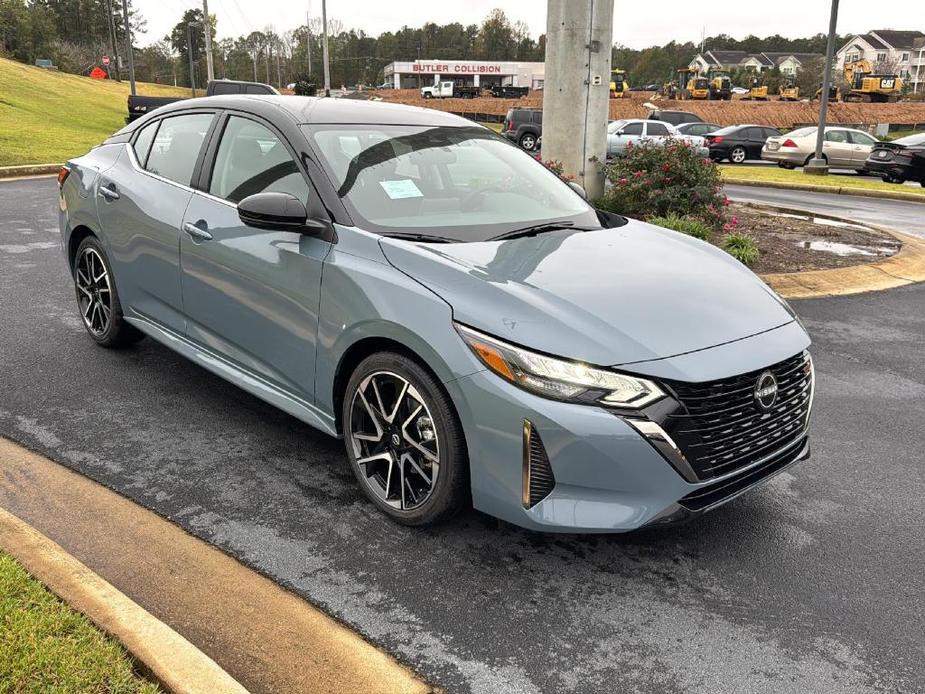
(76, 33)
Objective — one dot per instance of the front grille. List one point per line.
(538, 479)
(720, 427)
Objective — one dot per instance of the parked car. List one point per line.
(675, 117)
(741, 91)
(698, 129)
(737, 143)
(140, 105)
(900, 160)
(623, 133)
(524, 126)
(385, 85)
(844, 148)
(470, 340)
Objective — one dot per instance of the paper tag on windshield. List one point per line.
(401, 189)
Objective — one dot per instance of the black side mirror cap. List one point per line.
(280, 211)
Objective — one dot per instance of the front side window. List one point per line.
(633, 129)
(860, 138)
(143, 141)
(464, 183)
(836, 136)
(251, 159)
(176, 146)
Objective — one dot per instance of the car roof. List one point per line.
(312, 109)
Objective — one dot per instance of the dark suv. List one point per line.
(675, 117)
(524, 126)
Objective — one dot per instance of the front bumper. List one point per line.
(609, 477)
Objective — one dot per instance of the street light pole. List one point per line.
(128, 47)
(324, 47)
(817, 165)
(207, 27)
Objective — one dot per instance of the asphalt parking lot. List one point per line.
(814, 583)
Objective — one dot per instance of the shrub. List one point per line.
(652, 180)
(686, 225)
(742, 247)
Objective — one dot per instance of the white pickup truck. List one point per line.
(449, 89)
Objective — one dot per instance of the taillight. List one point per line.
(62, 175)
(715, 139)
(788, 143)
(509, 126)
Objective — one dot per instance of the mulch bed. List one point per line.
(794, 243)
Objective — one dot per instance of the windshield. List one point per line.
(462, 183)
(614, 126)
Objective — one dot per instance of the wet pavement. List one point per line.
(813, 583)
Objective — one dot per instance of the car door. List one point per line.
(861, 146)
(140, 202)
(838, 149)
(631, 133)
(656, 131)
(250, 294)
(753, 140)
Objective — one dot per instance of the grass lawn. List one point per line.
(494, 126)
(47, 647)
(47, 116)
(778, 175)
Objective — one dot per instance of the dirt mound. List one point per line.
(774, 113)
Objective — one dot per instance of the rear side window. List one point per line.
(176, 147)
(538, 117)
(225, 88)
(143, 141)
(251, 159)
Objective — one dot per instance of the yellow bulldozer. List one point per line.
(691, 85)
(789, 91)
(720, 86)
(864, 85)
(757, 90)
(619, 84)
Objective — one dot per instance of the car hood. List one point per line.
(607, 297)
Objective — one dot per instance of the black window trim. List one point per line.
(199, 158)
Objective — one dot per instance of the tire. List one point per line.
(786, 165)
(861, 172)
(738, 155)
(528, 141)
(93, 282)
(392, 447)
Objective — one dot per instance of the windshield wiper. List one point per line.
(539, 229)
(424, 238)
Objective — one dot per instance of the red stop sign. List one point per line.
(105, 60)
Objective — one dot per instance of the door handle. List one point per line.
(108, 193)
(196, 232)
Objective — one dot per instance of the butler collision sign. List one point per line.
(475, 72)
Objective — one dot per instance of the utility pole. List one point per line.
(189, 53)
(324, 47)
(112, 40)
(207, 27)
(817, 165)
(308, 40)
(128, 47)
(577, 94)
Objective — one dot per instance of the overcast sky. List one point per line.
(637, 24)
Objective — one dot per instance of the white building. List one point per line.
(899, 51)
(480, 73)
(788, 62)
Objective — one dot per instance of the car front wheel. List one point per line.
(97, 298)
(738, 155)
(404, 441)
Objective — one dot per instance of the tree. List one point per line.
(179, 42)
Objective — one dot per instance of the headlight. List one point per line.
(558, 378)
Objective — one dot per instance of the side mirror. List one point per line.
(273, 211)
(619, 133)
(578, 189)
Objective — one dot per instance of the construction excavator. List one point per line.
(757, 91)
(789, 91)
(691, 85)
(619, 84)
(865, 86)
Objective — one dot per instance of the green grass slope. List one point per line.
(47, 116)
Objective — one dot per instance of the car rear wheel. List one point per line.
(97, 298)
(892, 179)
(528, 141)
(404, 441)
(786, 165)
(738, 155)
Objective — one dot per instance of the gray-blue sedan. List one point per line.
(472, 328)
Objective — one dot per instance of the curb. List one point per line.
(905, 267)
(831, 190)
(28, 170)
(173, 661)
